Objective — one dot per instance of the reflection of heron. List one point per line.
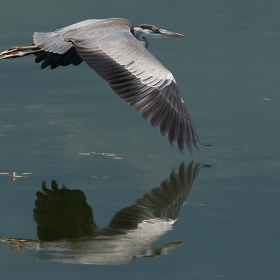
(117, 52)
(67, 232)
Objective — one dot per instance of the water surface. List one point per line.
(51, 122)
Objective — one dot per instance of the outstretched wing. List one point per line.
(110, 48)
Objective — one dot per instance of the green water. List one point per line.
(228, 74)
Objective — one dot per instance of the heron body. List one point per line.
(117, 51)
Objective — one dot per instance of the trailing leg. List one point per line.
(19, 51)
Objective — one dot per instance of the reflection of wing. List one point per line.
(62, 213)
(132, 232)
(162, 203)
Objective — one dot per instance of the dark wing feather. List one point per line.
(54, 59)
(161, 203)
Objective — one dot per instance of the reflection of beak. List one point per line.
(166, 33)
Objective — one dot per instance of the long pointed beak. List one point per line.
(166, 33)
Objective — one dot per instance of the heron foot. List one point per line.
(18, 51)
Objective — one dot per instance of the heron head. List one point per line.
(151, 31)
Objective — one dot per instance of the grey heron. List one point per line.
(117, 51)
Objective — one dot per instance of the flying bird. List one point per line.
(117, 51)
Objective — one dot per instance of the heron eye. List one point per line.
(156, 30)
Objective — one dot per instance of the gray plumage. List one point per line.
(117, 51)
